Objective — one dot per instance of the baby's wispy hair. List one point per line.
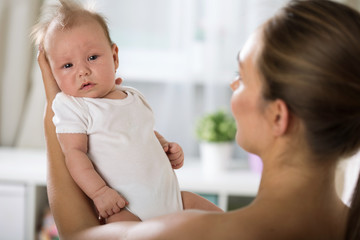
(65, 13)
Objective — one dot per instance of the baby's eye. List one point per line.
(92, 58)
(68, 65)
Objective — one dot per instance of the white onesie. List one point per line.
(123, 149)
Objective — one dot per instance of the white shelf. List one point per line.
(22, 171)
(239, 180)
(23, 166)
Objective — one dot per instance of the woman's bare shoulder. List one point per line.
(204, 225)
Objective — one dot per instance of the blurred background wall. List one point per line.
(180, 53)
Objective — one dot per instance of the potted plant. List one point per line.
(216, 132)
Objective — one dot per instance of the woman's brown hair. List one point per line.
(310, 58)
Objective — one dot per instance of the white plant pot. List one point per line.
(215, 157)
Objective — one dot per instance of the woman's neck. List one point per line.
(293, 171)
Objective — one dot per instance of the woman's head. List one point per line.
(310, 58)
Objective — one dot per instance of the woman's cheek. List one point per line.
(234, 106)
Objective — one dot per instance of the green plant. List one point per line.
(217, 126)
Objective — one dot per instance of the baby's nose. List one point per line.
(84, 71)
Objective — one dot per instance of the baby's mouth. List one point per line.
(86, 85)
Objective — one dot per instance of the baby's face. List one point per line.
(82, 60)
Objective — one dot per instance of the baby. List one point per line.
(106, 131)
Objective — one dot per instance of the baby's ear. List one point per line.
(115, 51)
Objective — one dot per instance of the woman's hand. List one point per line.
(72, 210)
(50, 85)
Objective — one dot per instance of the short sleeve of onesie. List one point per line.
(70, 115)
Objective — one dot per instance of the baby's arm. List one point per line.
(172, 150)
(106, 199)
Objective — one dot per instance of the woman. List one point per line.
(296, 103)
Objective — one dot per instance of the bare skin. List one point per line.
(296, 198)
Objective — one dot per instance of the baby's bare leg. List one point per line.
(123, 215)
(194, 201)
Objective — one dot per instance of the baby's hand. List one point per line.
(109, 202)
(175, 154)
(172, 150)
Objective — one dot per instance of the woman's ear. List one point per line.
(279, 117)
(115, 51)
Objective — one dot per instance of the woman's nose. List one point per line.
(235, 84)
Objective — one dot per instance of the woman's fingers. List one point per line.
(50, 85)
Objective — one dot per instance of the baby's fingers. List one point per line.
(165, 147)
(116, 209)
(109, 212)
(103, 214)
(174, 147)
(121, 202)
(178, 162)
(175, 156)
(118, 81)
(177, 165)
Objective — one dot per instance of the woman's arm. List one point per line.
(72, 210)
(190, 225)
